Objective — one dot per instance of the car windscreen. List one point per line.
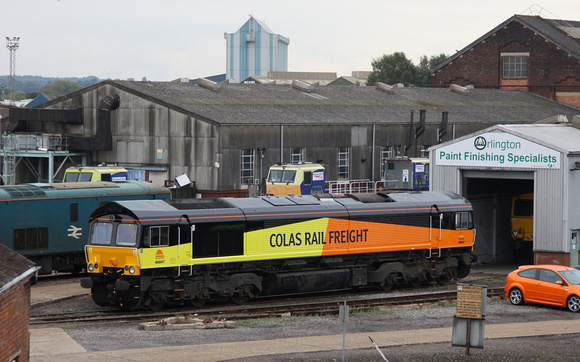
(572, 276)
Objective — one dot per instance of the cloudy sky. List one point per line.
(165, 40)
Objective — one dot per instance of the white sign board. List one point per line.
(497, 150)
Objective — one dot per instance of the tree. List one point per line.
(425, 66)
(396, 68)
(61, 87)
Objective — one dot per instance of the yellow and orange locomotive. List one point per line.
(148, 253)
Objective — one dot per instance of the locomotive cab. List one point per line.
(101, 258)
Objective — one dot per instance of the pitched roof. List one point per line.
(563, 33)
(13, 267)
(562, 137)
(283, 104)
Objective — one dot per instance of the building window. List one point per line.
(297, 155)
(386, 153)
(343, 162)
(247, 166)
(515, 67)
(424, 152)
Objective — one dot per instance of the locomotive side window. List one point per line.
(156, 236)
(463, 221)
(448, 221)
(307, 177)
(126, 234)
(30, 238)
(74, 212)
(101, 233)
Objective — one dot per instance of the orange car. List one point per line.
(555, 285)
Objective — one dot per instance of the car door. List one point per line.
(529, 282)
(551, 288)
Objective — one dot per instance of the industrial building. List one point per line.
(491, 166)
(225, 136)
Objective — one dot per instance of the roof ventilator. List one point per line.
(209, 84)
(384, 87)
(458, 89)
(303, 86)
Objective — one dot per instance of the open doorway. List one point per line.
(491, 198)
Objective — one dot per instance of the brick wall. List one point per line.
(550, 69)
(14, 317)
(551, 258)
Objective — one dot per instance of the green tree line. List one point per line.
(397, 68)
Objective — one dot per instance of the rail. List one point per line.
(262, 309)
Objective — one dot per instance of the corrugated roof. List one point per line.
(561, 137)
(283, 104)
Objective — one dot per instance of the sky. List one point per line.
(170, 39)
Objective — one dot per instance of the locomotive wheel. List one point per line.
(415, 283)
(463, 271)
(243, 294)
(155, 306)
(449, 275)
(386, 286)
(389, 282)
(240, 299)
(197, 302)
(100, 295)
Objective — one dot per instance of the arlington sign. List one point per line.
(497, 150)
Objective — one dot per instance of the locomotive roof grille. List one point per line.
(197, 204)
(22, 192)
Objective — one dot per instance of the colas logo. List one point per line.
(159, 257)
(480, 143)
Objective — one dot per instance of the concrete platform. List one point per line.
(41, 294)
(53, 344)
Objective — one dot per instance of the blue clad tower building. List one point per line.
(254, 50)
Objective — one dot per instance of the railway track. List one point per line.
(320, 306)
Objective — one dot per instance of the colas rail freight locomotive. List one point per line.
(148, 253)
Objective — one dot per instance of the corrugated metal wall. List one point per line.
(548, 209)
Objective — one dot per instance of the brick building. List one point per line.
(15, 274)
(524, 52)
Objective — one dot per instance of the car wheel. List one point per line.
(516, 296)
(573, 303)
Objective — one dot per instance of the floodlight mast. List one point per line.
(12, 44)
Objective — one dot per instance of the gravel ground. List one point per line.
(107, 337)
